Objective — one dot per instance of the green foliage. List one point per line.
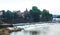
(9, 15)
(35, 14)
(15, 15)
(26, 15)
(46, 16)
(35, 10)
(4, 14)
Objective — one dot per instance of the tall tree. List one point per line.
(9, 15)
(15, 15)
(4, 13)
(35, 13)
(26, 14)
(46, 16)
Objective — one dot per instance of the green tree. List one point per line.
(4, 14)
(35, 14)
(9, 15)
(46, 16)
(15, 15)
(26, 14)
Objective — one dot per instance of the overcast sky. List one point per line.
(52, 5)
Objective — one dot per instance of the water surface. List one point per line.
(39, 29)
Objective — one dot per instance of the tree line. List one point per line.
(33, 15)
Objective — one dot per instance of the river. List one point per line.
(39, 29)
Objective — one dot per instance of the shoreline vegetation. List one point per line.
(32, 15)
(13, 17)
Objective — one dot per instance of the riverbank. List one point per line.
(4, 31)
(8, 30)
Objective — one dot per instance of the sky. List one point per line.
(52, 5)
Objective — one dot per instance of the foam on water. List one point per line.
(45, 29)
(42, 29)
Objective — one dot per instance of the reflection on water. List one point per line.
(34, 33)
(39, 29)
(26, 33)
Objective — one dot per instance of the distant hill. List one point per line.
(55, 16)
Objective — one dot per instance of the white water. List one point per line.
(39, 29)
